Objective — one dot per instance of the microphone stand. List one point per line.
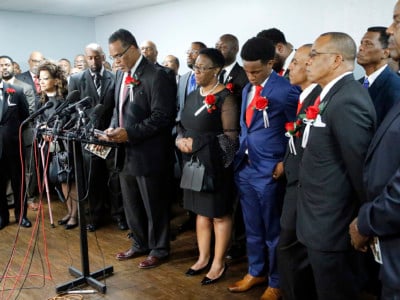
(84, 276)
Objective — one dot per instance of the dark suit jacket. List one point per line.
(291, 166)
(148, 120)
(330, 178)
(384, 92)
(83, 82)
(238, 78)
(267, 146)
(381, 215)
(27, 78)
(15, 111)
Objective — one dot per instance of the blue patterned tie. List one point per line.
(192, 84)
(366, 82)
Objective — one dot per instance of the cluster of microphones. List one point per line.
(70, 116)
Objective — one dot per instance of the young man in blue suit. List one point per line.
(268, 102)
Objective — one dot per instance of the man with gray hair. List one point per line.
(341, 124)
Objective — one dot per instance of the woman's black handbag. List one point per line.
(60, 169)
(194, 177)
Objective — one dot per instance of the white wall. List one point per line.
(54, 36)
(173, 26)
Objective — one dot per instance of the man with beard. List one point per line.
(99, 84)
(284, 51)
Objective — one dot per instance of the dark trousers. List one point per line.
(390, 293)
(10, 167)
(296, 278)
(334, 274)
(147, 212)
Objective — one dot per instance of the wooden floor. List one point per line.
(35, 273)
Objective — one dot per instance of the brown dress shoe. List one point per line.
(271, 294)
(150, 262)
(246, 283)
(130, 253)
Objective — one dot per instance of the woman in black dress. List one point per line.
(210, 122)
(53, 85)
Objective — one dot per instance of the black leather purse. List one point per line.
(194, 177)
(60, 168)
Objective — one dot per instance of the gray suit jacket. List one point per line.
(83, 82)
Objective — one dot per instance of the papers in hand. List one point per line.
(102, 151)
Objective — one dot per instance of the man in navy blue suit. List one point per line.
(268, 102)
(382, 83)
(380, 216)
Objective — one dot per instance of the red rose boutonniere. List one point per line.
(210, 101)
(10, 92)
(131, 82)
(312, 112)
(292, 129)
(230, 86)
(261, 104)
(312, 118)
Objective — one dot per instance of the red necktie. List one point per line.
(250, 108)
(36, 82)
(317, 101)
(281, 72)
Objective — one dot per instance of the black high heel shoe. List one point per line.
(64, 220)
(207, 280)
(71, 226)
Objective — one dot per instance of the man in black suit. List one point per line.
(234, 78)
(295, 273)
(13, 110)
(99, 84)
(284, 51)
(330, 178)
(379, 217)
(143, 119)
(382, 83)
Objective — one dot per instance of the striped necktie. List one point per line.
(97, 82)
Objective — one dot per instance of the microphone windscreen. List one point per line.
(73, 96)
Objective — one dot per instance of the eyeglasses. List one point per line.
(202, 69)
(146, 48)
(192, 51)
(315, 53)
(120, 55)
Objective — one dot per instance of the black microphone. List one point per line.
(47, 105)
(72, 97)
(97, 113)
(82, 104)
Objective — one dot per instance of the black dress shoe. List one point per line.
(236, 252)
(207, 280)
(25, 223)
(4, 222)
(91, 227)
(121, 223)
